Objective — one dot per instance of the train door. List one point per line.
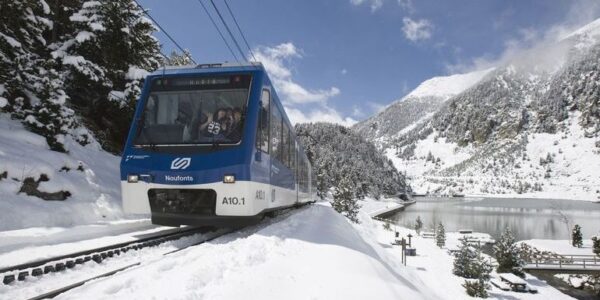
(263, 145)
(297, 171)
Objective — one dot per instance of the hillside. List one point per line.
(44, 188)
(415, 108)
(337, 152)
(530, 127)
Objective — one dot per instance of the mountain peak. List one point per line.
(448, 86)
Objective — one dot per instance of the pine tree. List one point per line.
(418, 225)
(21, 41)
(576, 237)
(596, 245)
(51, 117)
(440, 235)
(469, 263)
(344, 201)
(179, 59)
(507, 254)
(29, 78)
(476, 288)
(106, 55)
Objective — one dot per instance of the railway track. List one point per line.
(66, 288)
(60, 263)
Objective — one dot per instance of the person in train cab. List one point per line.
(235, 132)
(217, 126)
(228, 120)
(199, 124)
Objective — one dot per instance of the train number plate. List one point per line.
(233, 201)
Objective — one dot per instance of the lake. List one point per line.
(527, 218)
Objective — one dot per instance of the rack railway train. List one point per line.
(212, 145)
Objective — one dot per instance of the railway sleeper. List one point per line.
(48, 269)
(22, 275)
(70, 264)
(37, 272)
(97, 258)
(8, 279)
(59, 267)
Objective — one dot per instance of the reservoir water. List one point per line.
(527, 218)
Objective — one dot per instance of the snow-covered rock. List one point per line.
(88, 173)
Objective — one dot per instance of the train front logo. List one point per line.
(181, 163)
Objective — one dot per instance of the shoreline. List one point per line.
(506, 196)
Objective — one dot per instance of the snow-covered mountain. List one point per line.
(530, 126)
(416, 107)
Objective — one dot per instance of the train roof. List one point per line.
(209, 68)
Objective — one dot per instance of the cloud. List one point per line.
(530, 45)
(344, 71)
(376, 107)
(417, 30)
(278, 61)
(374, 4)
(407, 5)
(322, 114)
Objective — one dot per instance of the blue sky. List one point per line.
(343, 60)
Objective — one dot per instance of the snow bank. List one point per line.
(313, 254)
(90, 174)
(562, 247)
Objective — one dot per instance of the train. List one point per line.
(211, 145)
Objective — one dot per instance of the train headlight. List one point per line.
(229, 179)
(131, 178)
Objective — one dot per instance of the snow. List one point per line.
(449, 153)
(83, 36)
(573, 176)
(3, 102)
(562, 247)
(434, 266)
(313, 254)
(45, 7)
(95, 190)
(31, 244)
(309, 253)
(591, 29)
(376, 208)
(10, 40)
(135, 73)
(447, 86)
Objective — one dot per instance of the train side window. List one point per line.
(286, 145)
(294, 158)
(262, 138)
(275, 132)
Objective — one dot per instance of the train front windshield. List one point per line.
(194, 111)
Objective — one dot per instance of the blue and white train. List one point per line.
(212, 145)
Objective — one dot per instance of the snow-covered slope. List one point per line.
(447, 86)
(416, 107)
(313, 254)
(528, 128)
(89, 174)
